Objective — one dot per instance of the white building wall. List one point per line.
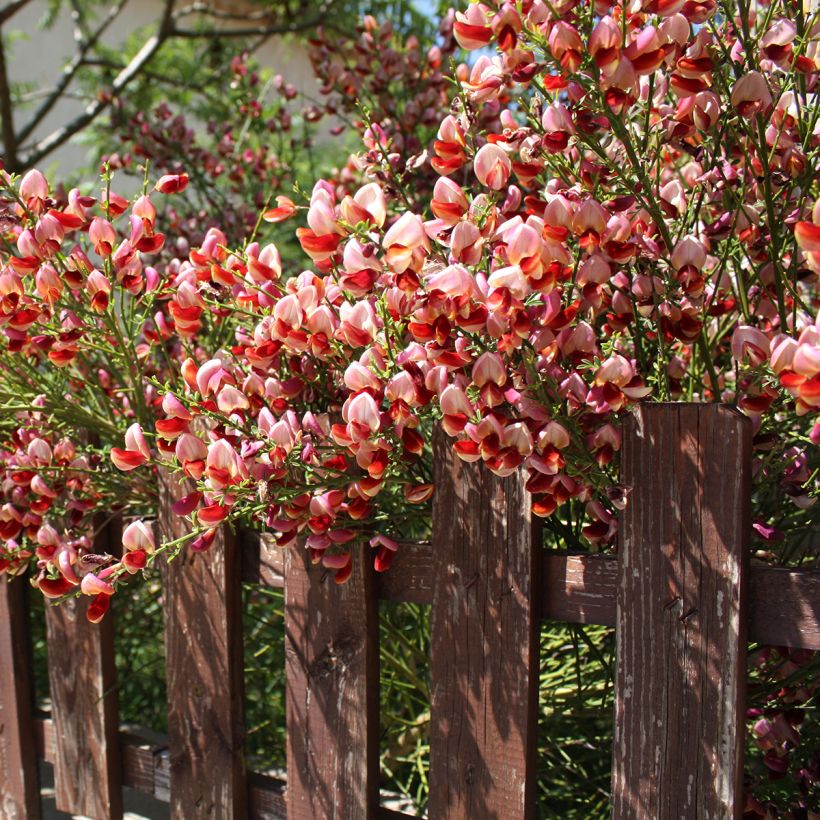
(39, 55)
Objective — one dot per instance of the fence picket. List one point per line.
(19, 786)
(332, 664)
(82, 679)
(484, 643)
(681, 614)
(204, 671)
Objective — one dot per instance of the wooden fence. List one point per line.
(681, 593)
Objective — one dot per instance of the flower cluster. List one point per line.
(616, 204)
(550, 281)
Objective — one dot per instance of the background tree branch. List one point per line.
(6, 111)
(69, 72)
(141, 59)
(10, 9)
(202, 21)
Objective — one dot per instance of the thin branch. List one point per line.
(249, 31)
(68, 73)
(150, 75)
(136, 67)
(11, 9)
(9, 140)
(132, 70)
(210, 11)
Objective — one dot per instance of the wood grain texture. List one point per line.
(579, 589)
(263, 561)
(681, 614)
(204, 670)
(785, 607)
(784, 604)
(410, 578)
(19, 784)
(82, 680)
(484, 643)
(267, 795)
(332, 666)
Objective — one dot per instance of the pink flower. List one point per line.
(229, 400)
(449, 201)
(174, 408)
(223, 465)
(285, 210)
(689, 251)
(749, 342)
(751, 94)
(615, 370)
(138, 536)
(357, 377)
(470, 27)
(362, 411)
(191, 453)
(102, 235)
(33, 189)
(94, 585)
(492, 167)
(136, 451)
(489, 367)
(210, 376)
(172, 183)
(405, 242)
(368, 204)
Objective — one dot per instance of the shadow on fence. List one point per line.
(679, 592)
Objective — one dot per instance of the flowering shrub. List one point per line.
(624, 208)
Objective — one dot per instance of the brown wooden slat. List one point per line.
(484, 643)
(19, 785)
(267, 798)
(204, 670)
(579, 588)
(82, 679)
(44, 737)
(784, 604)
(681, 614)
(263, 562)
(144, 755)
(332, 665)
(410, 578)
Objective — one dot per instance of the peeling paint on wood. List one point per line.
(204, 671)
(82, 679)
(19, 784)
(681, 614)
(484, 643)
(332, 672)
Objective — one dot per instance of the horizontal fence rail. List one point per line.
(680, 594)
(784, 604)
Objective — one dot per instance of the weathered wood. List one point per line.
(579, 588)
(484, 643)
(784, 604)
(410, 578)
(267, 795)
(267, 798)
(82, 680)
(144, 755)
(332, 665)
(19, 785)
(681, 614)
(785, 607)
(263, 562)
(204, 670)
